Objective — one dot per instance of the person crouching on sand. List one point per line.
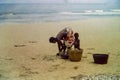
(61, 38)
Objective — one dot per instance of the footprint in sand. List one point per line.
(0, 75)
(49, 58)
(53, 68)
(90, 48)
(89, 53)
(85, 56)
(75, 67)
(32, 41)
(33, 58)
(9, 59)
(27, 72)
(20, 45)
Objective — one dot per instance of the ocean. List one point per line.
(36, 12)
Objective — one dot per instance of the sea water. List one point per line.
(37, 12)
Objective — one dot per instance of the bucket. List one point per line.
(100, 58)
(64, 56)
(75, 55)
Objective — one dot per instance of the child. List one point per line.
(77, 41)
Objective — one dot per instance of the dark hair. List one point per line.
(52, 40)
(76, 35)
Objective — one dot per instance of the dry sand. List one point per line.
(26, 54)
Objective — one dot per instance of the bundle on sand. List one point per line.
(75, 55)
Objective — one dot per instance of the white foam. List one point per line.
(99, 11)
(116, 10)
(69, 13)
(88, 11)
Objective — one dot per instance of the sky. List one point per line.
(56, 1)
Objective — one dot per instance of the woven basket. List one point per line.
(75, 55)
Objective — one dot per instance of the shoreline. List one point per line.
(62, 21)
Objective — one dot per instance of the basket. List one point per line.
(100, 58)
(75, 55)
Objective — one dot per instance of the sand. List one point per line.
(26, 54)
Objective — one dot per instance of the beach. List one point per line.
(26, 54)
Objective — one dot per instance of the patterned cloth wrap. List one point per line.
(70, 38)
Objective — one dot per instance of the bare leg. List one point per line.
(64, 48)
(59, 45)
